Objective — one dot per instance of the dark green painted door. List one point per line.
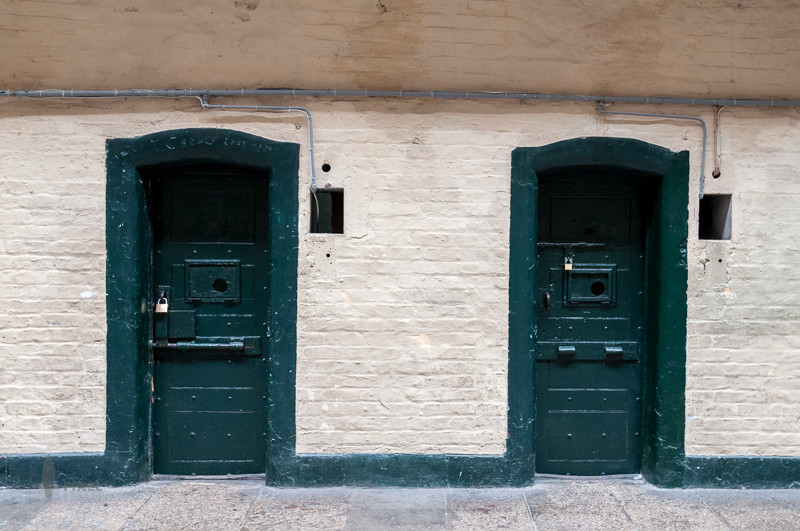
(211, 265)
(590, 290)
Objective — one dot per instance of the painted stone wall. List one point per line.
(678, 47)
(402, 320)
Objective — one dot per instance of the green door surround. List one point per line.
(664, 370)
(129, 265)
(127, 459)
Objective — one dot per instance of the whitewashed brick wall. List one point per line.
(403, 320)
(743, 378)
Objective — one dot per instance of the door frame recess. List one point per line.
(666, 274)
(129, 264)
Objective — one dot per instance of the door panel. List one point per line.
(210, 381)
(590, 289)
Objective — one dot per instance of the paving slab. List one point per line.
(18, 507)
(751, 510)
(92, 508)
(299, 509)
(397, 509)
(487, 509)
(651, 508)
(789, 498)
(192, 504)
(248, 505)
(558, 504)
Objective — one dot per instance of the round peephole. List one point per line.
(220, 285)
(598, 288)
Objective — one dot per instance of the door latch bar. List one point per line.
(246, 345)
(193, 345)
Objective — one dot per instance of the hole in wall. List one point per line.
(220, 285)
(326, 167)
(714, 219)
(327, 211)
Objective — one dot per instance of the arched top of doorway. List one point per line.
(222, 146)
(631, 155)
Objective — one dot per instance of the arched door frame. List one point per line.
(666, 281)
(127, 458)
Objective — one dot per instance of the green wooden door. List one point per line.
(590, 291)
(211, 267)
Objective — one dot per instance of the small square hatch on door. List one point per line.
(591, 284)
(213, 281)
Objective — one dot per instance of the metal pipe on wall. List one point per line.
(277, 108)
(601, 108)
(602, 101)
(522, 96)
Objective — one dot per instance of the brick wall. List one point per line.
(743, 390)
(402, 325)
(52, 258)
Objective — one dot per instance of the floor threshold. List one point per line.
(225, 477)
(607, 477)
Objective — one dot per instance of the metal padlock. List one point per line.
(162, 305)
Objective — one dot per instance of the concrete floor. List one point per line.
(609, 503)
